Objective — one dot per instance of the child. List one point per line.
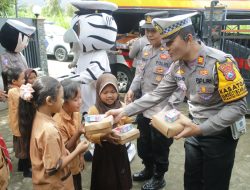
(49, 158)
(69, 124)
(15, 78)
(110, 167)
(30, 76)
(5, 165)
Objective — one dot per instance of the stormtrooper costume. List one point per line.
(93, 31)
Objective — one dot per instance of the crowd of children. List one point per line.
(46, 124)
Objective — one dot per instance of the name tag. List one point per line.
(239, 128)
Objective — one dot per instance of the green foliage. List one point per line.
(60, 20)
(70, 10)
(24, 11)
(7, 8)
(52, 8)
(51, 12)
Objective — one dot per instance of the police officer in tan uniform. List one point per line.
(216, 97)
(153, 147)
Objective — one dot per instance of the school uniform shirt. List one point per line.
(46, 152)
(13, 102)
(4, 171)
(68, 126)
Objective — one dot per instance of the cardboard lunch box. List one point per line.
(127, 135)
(169, 129)
(95, 124)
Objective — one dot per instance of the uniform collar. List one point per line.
(40, 114)
(200, 61)
(65, 115)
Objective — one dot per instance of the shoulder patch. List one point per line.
(228, 70)
(231, 85)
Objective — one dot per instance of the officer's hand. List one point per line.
(116, 113)
(129, 97)
(72, 65)
(189, 130)
(3, 96)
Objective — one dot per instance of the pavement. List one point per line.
(174, 177)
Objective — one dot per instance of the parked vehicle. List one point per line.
(54, 42)
(211, 29)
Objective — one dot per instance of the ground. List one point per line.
(174, 177)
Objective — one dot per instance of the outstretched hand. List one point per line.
(129, 97)
(116, 113)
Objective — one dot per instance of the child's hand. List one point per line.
(110, 137)
(81, 129)
(82, 162)
(3, 96)
(82, 146)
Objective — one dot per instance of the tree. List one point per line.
(7, 8)
(70, 10)
(52, 8)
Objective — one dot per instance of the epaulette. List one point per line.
(220, 56)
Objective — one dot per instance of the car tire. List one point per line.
(61, 54)
(123, 75)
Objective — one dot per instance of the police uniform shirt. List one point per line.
(9, 60)
(149, 73)
(218, 106)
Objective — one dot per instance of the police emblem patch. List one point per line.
(146, 53)
(158, 28)
(148, 19)
(164, 56)
(158, 78)
(159, 70)
(203, 72)
(200, 60)
(228, 71)
(180, 72)
(203, 89)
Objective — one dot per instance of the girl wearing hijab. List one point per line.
(110, 167)
(30, 75)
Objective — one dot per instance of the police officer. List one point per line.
(216, 94)
(153, 147)
(137, 45)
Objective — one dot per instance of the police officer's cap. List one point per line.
(170, 26)
(21, 27)
(152, 15)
